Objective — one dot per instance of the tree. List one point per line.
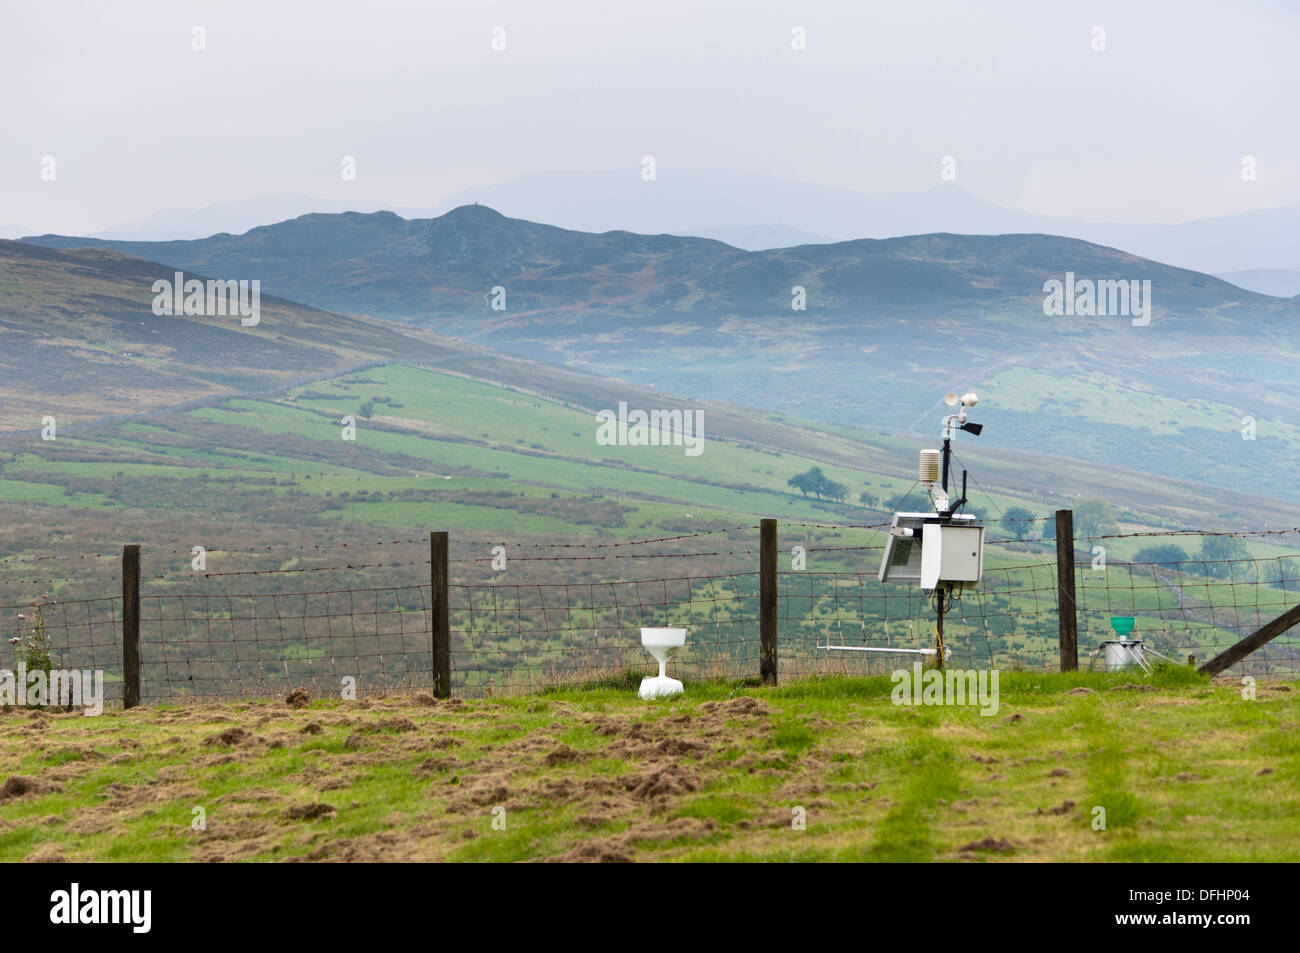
(1016, 522)
(836, 491)
(1219, 551)
(818, 484)
(367, 409)
(1093, 518)
(1279, 572)
(805, 482)
(895, 503)
(1161, 554)
(1223, 547)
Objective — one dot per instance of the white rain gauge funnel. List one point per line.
(661, 643)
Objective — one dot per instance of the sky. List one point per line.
(1154, 127)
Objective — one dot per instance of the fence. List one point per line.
(471, 616)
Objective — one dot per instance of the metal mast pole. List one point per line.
(938, 627)
(939, 593)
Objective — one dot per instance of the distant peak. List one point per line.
(473, 211)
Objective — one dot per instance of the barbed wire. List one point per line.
(328, 546)
(524, 559)
(297, 569)
(498, 541)
(51, 556)
(875, 526)
(1188, 532)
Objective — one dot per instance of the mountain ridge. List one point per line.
(758, 212)
(887, 324)
(315, 259)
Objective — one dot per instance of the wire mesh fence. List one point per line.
(1009, 621)
(1196, 608)
(530, 616)
(84, 635)
(226, 646)
(510, 637)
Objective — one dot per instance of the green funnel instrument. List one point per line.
(1122, 624)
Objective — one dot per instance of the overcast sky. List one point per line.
(1153, 128)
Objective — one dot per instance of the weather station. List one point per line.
(941, 550)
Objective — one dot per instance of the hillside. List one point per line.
(281, 504)
(889, 326)
(79, 340)
(82, 344)
(511, 428)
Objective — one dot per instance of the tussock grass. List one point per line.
(1184, 769)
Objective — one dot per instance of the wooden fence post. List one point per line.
(767, 601)
(440, 615)
(1067, 614)
(1265, 633)
(130, 626)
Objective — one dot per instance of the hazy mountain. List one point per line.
(1268, 239)
(14, 231)
(703, 201)
(889, 325)
(234, 217)
(757, 212)
(1279, 282)
(79, 339)
(430, 271)
(761, 237)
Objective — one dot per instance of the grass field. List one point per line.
(434, 435)
(270, 485)
(430, 440)
(1184, 769)
(436, 450)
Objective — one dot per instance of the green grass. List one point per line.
(455, 437)
(498, 465)
(1184, 770)
(449, 426)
